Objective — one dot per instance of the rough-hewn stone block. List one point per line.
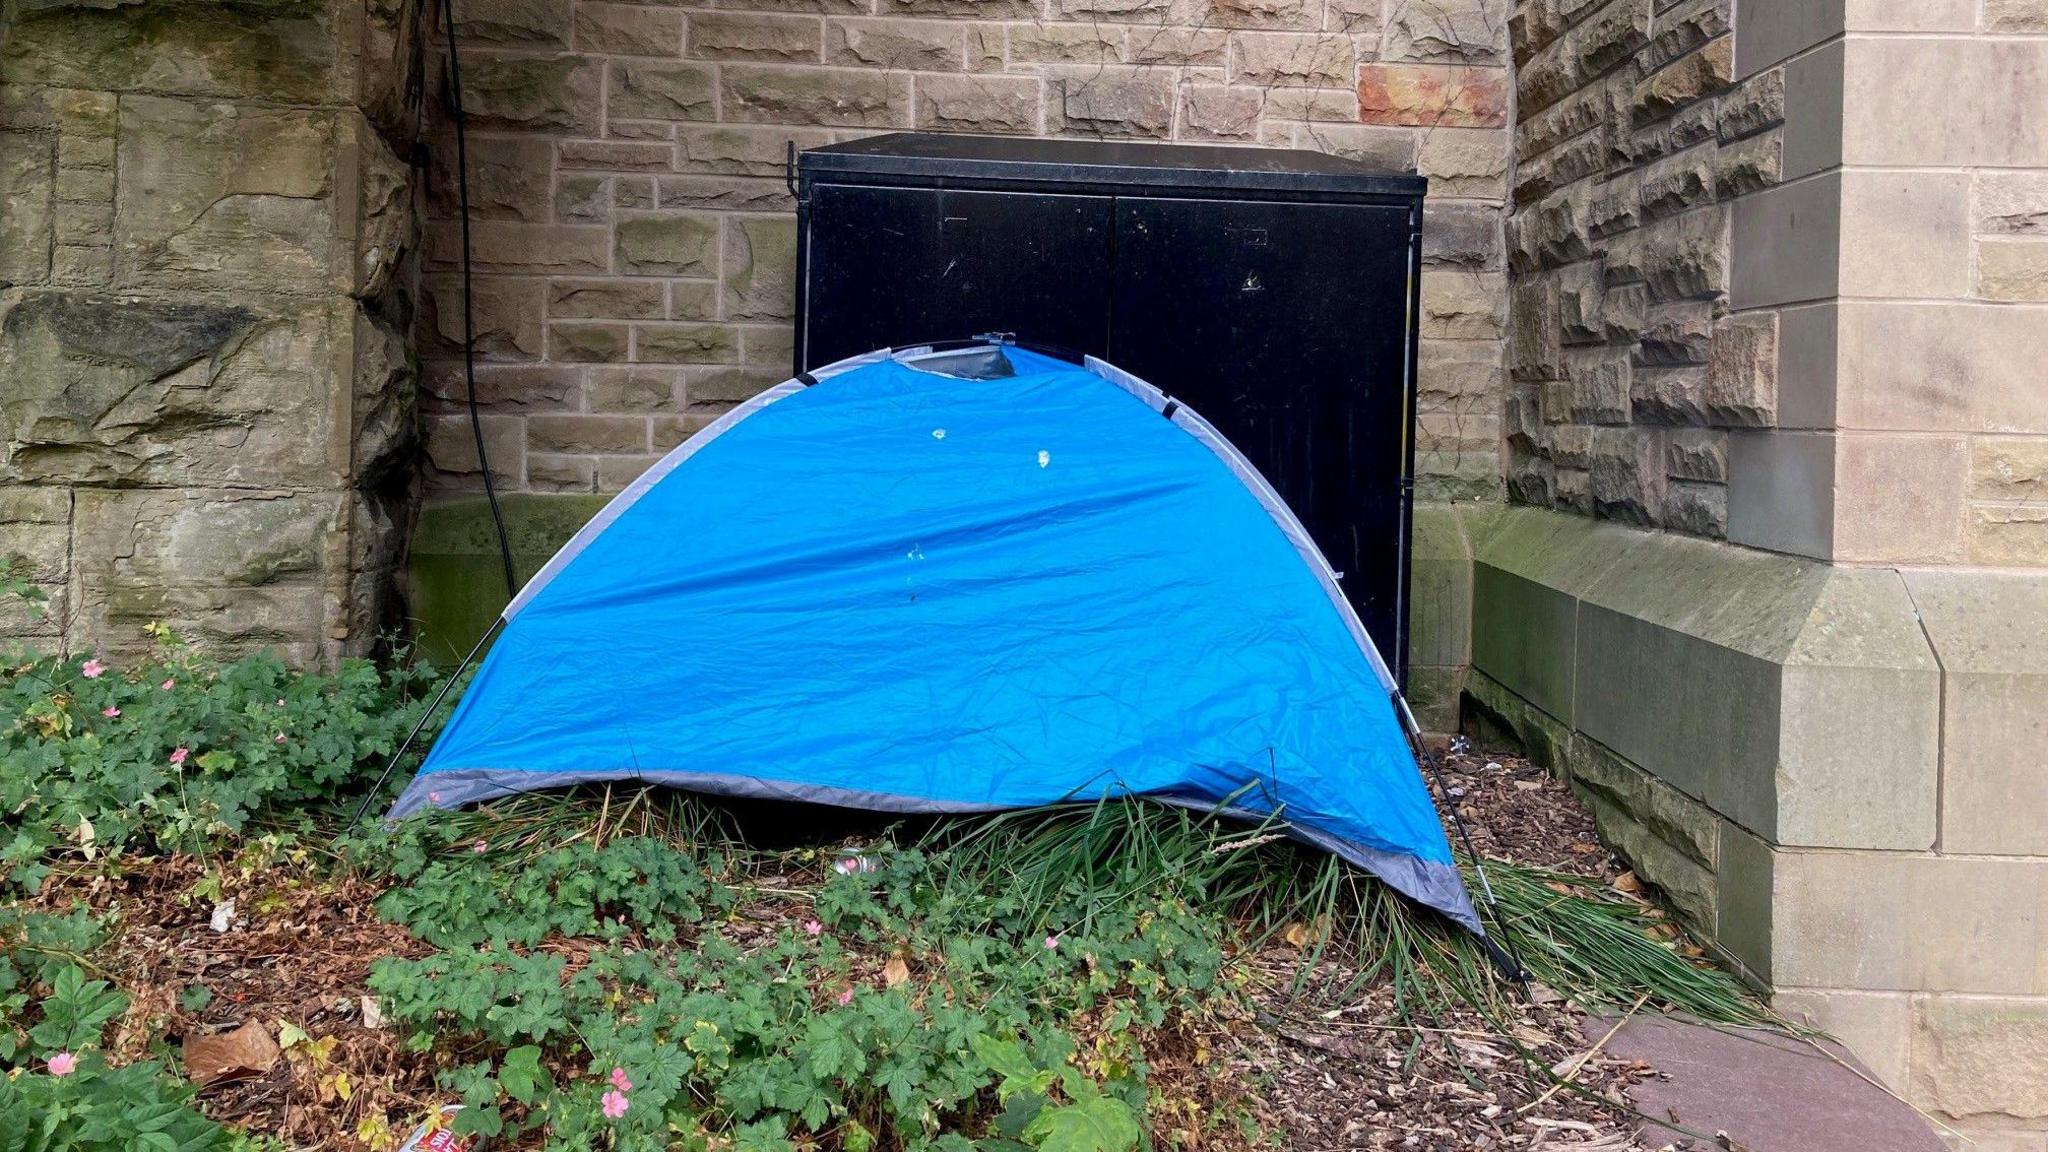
(1065, 44)
(1446, 31)
(628, 29)
(745, 36)
(1109, 101)
(604, 299)
(533, 93)
(760, 268)
(1430, 96)
(685, 344)
(1460, 162)
(845, 97)
(1302, 59)
(1627, 474)
(1214, 112)
(541, 24)
(1696, 454)
(661, 91)
(917, 45)
(2013, 269)
(1692, 78)
(588, 343)
(1166, 45)
(1978, 1057)
(978, 103)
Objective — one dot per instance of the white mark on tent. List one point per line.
(1251, 283)
(938, 433)
(916, 552)
(1044, 457)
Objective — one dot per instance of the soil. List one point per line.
(297, 953)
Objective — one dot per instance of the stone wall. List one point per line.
(1632, 141)
(206, 264)
(634, 239)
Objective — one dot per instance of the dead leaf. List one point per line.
(373, 1013)
(1296, 934)
(895, 972)
(1627, 882)
(245, 1053)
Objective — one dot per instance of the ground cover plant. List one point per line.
(626, 969)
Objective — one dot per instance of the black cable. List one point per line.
(476, 423)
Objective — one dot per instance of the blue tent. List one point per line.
(952, 581)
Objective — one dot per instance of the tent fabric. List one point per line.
(910, 591)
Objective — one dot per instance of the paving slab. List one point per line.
(1768, 1092)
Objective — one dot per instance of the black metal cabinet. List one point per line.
(1272, 291)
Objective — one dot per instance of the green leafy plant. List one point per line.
(184, 751)
(1054, 1108)
(92, 1107)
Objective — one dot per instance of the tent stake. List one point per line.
(1503, 954)
(422, 722)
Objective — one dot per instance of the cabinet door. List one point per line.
(893, 266)
(1286, 326)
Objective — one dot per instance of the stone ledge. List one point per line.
(1799, 700)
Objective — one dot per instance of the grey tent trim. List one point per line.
(1434, 884)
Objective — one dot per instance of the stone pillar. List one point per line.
(1778, 274)
(206, 259)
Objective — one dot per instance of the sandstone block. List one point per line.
(1676, 333)
(1462, 162)
(532, 93)
(225, 196)
(1908, 109)
(2009, 468)
(745, 36)
(661, 91)
(844, 97)
(985, 47)
(2015, 16)
(2012, 269)
(1696, 454)
(1446, 31)
(551, 473)
(1610, 36)
(974, 9)
(2011, 204)
(1459, 305)
(604, 299)
(1424, 95)
(1579, 292)
(1337, 106)
(231, 570)
(514, 23)
(1899, 498)
(1627, 474)
(1749, 165)
(633, 390)
(1680, 29)
(1064, 43)
(615, 473)
(760, 268)
(1465, 235)
(256, 51)
(1109, 101)
(1302, 15)
(586, 434)
(725, 193)
(1677, 183)
(1165, 45)
(583, 199)
(633, 192)
(505, 389)
(1752, 106)
(628, 30)
(772, 345)
(1681, 258)
(978, 103)
(1301, 59)
(2005, 535)
(582, 343)
(1533, 345)
(916, 45)
(1214, 112)
(1977, 1057)
(505, 312)
(1600, 382)
(693, 299)
(114, 390)
(671, 244)
(27, 175)
(1905, 234)
(1692, 78)
(1701, 509)
(615, 155)
(1545, 78)
(508, 179)
(738, 151)
(1395, 148)
(685, 344)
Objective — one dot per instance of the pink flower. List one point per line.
(280, 737)
(91, 669)
(614, 1105)
(813, 928)
(280, 701)
(110, 712)
(1051, 943)
(170, 684)
(179, 753)
(846, 997)
(483, 846)
(619, 1080)
(63, 1064)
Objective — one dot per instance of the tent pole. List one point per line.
(422, 722)
(1504, 955)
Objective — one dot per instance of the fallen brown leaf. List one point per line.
(895, 972)
(246, 1052)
